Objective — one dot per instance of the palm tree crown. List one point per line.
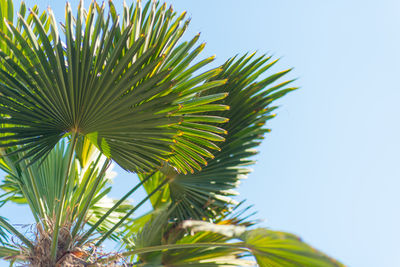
(105, 88)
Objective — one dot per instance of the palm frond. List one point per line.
(208, 192)
(161, 243)
(128, 90)
(270, 248)
(251, 101)
(156, 228)
(159, 231)
(124, 85)
(47, 177)
(284, 249)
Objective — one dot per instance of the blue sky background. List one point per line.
(329, 170)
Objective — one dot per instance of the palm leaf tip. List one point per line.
(272, 247)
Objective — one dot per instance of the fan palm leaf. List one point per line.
(207, 192)
(125, 85)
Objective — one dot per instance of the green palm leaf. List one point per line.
(40, 186)
(273, 248)
(126, 86)
(7, 13)
(159, 231)
(270, 248)
(8, 251)
(3, 234)
(207, 192)
(162, 243)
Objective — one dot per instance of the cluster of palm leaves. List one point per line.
(105, 88)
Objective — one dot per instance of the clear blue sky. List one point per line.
(330, 170)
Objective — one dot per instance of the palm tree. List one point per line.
(126, 90)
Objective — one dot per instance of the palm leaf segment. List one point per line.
(206, 193)
(126, 85)
(7, 13)
(3, 234)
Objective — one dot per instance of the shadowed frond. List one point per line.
(158, 231)
(162, 243)
(270, 248)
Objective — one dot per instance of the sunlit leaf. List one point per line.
(207, 192)
(124, 86)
